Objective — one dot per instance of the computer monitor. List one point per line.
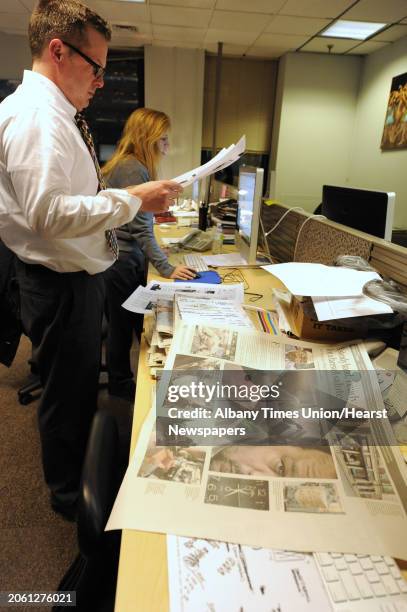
(366, 210)
(248, 211)
(106, 152)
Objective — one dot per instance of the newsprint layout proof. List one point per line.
(349, 497)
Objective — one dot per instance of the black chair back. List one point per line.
(99, 482)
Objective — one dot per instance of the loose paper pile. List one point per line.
(337, 293)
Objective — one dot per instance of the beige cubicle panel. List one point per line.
(300, 237)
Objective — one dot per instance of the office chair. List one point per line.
(93, 573)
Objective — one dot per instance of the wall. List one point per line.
(174, 84)
(246, 102)
(15, 56)
(370, 167)
(314, 125)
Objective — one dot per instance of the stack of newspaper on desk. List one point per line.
(159, 333)
(219, 304)
(190, 308)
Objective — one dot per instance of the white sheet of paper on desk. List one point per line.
(320, 280)
(341, 308)
(167, 241)
(224, 158)
(213, 575)
(226, 259)
(143, 299)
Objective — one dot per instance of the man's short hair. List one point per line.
(64, 19)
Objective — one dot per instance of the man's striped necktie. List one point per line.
(88, 140)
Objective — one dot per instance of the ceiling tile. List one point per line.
(392, 34)
(230, 36)
(320, 44)
(280, 41)
(234, 20)
(266, 52)
(13, 6)
(282, 24)
(370, 46)
(14, 23)
(164, 32)
(175, 44)
(120, 11)
(208, 4)
(27, 5)
(127, 44)
(316, 8)
(144, 28)
(228, 49)
(166, 15)
(254, 6)
(129, 40)
(382, 11)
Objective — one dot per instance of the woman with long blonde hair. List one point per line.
(143, 142)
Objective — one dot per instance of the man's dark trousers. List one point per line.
(62, 315)
(121, 279)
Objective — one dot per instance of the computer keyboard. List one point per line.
(196, 262)
(359, 583)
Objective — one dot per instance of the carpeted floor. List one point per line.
(36, 545)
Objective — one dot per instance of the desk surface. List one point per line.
(142, 583)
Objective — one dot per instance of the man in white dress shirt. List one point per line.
(54, 218)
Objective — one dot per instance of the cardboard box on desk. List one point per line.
(304, 323)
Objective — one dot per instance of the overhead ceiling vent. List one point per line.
(125, 27)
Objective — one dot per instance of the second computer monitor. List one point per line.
(248, 212)
(366, 210)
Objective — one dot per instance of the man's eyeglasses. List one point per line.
(98, 70)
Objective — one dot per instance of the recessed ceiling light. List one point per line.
(358, 30)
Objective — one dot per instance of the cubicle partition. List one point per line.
(302, 237)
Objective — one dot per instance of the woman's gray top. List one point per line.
(132, 172)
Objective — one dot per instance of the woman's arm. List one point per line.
(143, 231)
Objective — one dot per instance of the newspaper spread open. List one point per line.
(348, 497)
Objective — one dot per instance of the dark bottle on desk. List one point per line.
(203, 216)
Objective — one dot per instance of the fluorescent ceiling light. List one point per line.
(131, 1)
(358, 30)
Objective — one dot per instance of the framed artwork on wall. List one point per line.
(395, 124)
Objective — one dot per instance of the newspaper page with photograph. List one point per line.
(346, 496)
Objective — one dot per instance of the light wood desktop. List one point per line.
(142, 584)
